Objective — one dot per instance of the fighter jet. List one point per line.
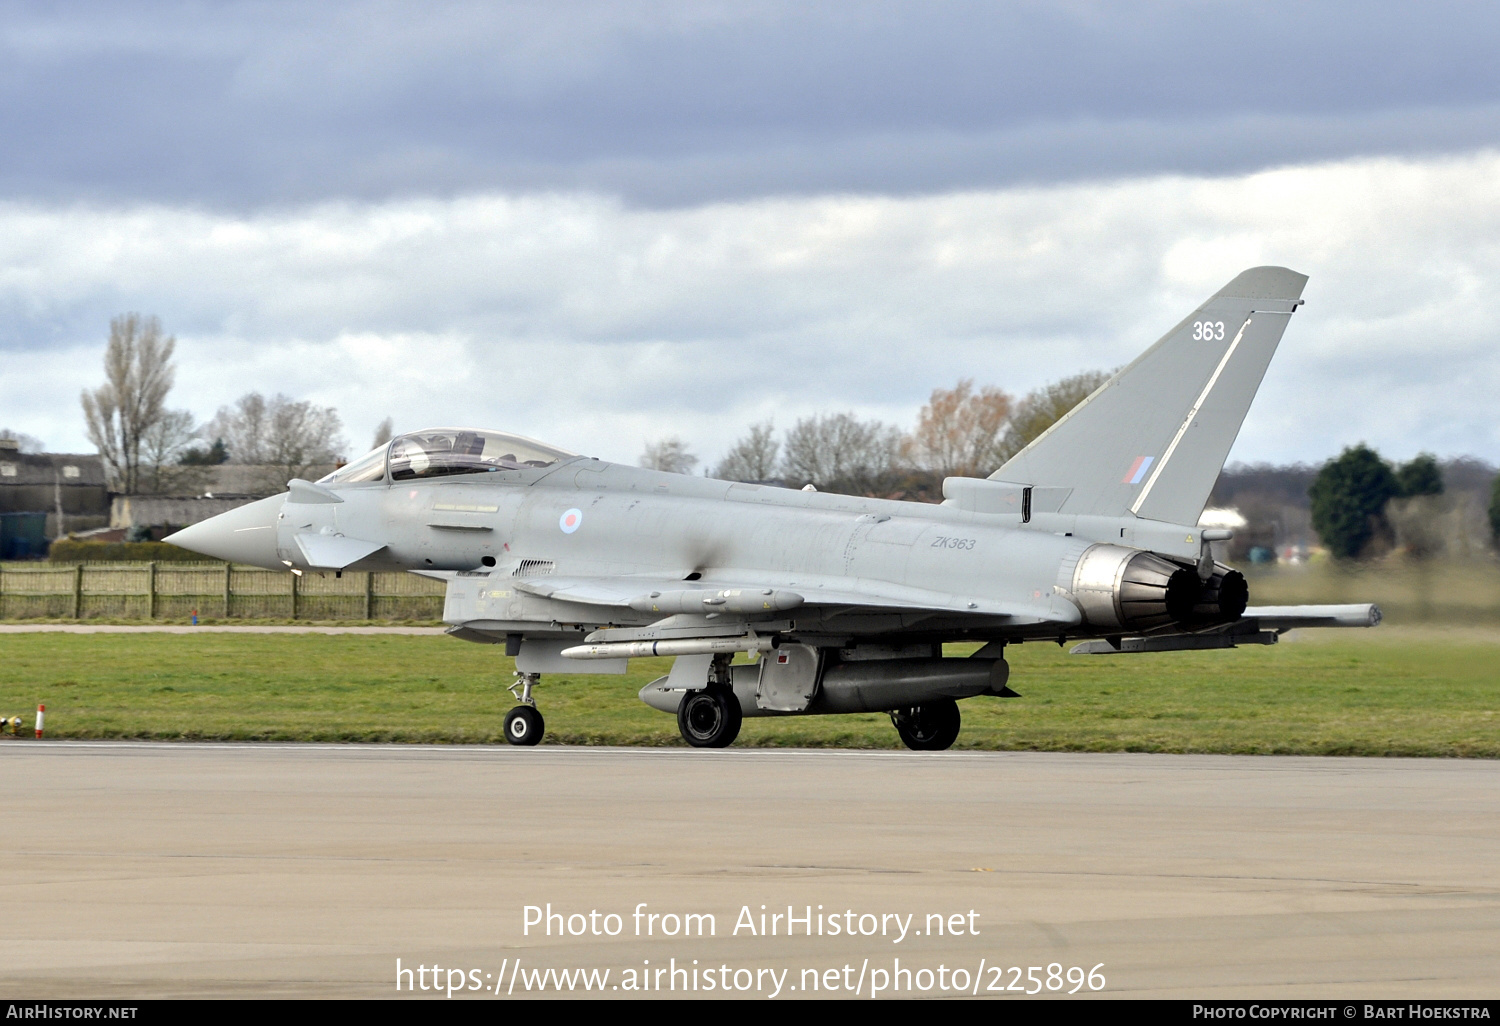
(576, 565)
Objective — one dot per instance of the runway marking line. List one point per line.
(540, 752)
(1327, 764)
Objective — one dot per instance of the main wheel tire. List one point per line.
(524, 726)
(709, 718)
(929, 727)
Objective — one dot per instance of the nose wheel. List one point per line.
(523, 724)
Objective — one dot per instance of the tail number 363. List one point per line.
(1208, 331)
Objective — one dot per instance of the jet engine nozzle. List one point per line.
(1223, 598)
(1119, 587)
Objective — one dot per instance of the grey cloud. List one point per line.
(678, 103)
(599, 324)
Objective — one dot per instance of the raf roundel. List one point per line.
(570, 520)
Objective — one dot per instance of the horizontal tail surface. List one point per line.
(1152, 440)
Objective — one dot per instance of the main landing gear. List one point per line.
(929, 727)
(523, 724)
(711, 718)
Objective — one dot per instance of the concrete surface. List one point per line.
(140, 869)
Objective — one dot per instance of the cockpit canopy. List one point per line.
(441, 452)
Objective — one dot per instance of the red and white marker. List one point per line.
(41, 711)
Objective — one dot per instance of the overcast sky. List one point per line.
(603, 223)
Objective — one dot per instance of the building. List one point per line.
(157, 516)
(67, 490)
(44, 496)
(224, 487)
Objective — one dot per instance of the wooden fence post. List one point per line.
(227, 569)
(78, 591)
(295, 580)
(151, 590)
(369, 594)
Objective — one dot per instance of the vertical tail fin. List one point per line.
(1152, 440)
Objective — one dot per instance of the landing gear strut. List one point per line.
(929, 727)
(523, 724)
(711, 718)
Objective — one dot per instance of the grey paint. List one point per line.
(1179, 405)
(580, 554)
(788, 678)
(850, 687)
(543, 655)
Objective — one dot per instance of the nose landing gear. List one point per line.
(523, 724)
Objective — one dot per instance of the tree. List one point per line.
(165, 447)
(752, 458)
(842, 453)
(1495, 512)
(22, 441)
(958, 432)
(1044, 407)
(1348, 499)
(288, 437)
(211, 457)
(138, 374)
(1421, 476)
(383, 433)
(669, 454)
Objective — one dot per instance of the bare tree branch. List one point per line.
(752, 458)
(1044, 407)
(958, 432)
(669, 454)
(383, 433)
(842, 453)
(138, 374)
(286, 436)
(162, 447)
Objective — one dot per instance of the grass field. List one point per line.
(1408, 591)
(1393, 691)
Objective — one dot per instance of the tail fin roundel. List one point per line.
(1152, 439)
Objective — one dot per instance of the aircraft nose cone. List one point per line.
(243, 535)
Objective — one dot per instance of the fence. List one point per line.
(173, 591)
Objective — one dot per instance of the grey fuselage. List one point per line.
(938, 571)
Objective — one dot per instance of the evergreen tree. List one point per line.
(1349, 497)
(1495, 512)
(1420, 477)
(210, 457)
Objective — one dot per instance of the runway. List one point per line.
(164, 870)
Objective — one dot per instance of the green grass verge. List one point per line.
(1389, 692)
(215, 621)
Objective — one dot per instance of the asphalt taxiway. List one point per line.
(142, 869)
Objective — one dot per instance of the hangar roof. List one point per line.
(34, 468)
